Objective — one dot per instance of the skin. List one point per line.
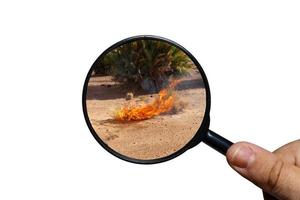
(276, 173)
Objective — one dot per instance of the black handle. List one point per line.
(217, 142)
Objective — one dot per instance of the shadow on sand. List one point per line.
(124, 124)
(116, 91)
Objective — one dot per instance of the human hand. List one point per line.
(277, 173)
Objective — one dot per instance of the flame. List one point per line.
(163, 103)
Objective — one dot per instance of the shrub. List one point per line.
(148, 63)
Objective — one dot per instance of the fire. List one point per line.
(163, 103)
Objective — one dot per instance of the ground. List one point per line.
(153, 138)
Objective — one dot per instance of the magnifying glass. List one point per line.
(146, 100)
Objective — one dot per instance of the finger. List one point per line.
(265, 169)
(290, 153)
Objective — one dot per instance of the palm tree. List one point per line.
(148, 63)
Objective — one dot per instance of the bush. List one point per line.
(148, 63)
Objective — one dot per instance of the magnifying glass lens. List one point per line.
(145, 99)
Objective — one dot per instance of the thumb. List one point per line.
(265, 169)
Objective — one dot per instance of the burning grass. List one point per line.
(166, 101)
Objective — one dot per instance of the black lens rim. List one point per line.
(197, 137)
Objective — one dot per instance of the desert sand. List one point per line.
(148, 139)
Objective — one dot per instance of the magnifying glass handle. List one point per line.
(217, 142)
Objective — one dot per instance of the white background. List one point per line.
(249, 51)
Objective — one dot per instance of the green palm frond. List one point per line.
(144, 59)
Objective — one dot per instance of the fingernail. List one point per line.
(241, 156)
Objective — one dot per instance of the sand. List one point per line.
(148, 139)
